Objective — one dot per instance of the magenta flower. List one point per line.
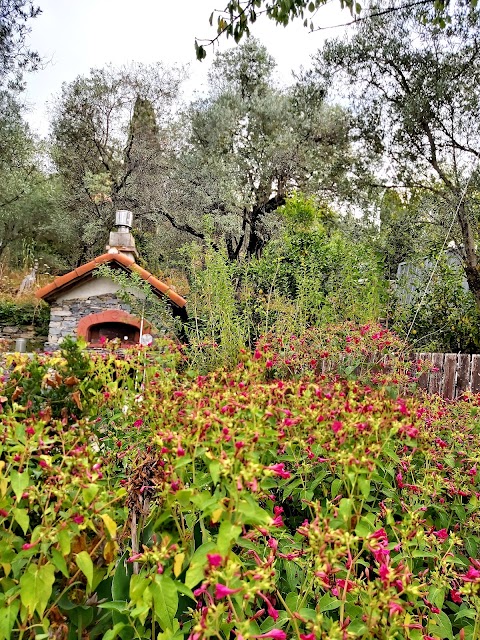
(455, 596)
(29, 545)
(307, 636)
(441, 534)
(222, 591)
(214, 559)
(272, 612)
(472, 575)
(394, 608)
(78, 519)
(337, 426)
(276, 634)
(279, 470)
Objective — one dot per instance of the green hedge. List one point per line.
(25, 313)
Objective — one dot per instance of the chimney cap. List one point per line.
(124, 218)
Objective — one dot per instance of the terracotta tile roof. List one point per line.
(49, 292)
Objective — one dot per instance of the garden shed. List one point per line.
(85, 305)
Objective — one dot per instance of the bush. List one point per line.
(237, 505)
(25, 313)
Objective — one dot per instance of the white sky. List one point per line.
(74, 36)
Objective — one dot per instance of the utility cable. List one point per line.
(437, 262)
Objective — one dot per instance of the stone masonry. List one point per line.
(65, 315)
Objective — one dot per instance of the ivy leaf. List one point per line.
(36, 587)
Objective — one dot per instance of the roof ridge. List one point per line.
(61, 281)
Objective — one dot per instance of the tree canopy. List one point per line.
(239, 15)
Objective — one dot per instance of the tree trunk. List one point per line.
(470, 265)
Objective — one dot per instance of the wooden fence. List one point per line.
(451, 375)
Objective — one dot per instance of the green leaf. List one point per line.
(214, 468)
(89, 493)
(364, 486)
(64, 541)
(436, 595)
(195, 572)
(121, 579)
(138, 584)
(227, 534)
(165, 600)
(8, 615)
(59, 562)
(117, 605)
(182, 588)
(440, 625)
(328, 603)
(85, 564)
(21, 516)
(345, 509)
(36, 587)
(335, 488)
(252, 514)
(20, 482)
(365, 526)
(113, 633)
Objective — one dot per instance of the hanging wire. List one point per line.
(440, 253)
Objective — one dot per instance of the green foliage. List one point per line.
(315, 275)
(25, 313)
(216, 330)
(445, 319)
(236, 19)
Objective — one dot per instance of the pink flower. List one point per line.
(29, 545)
(214, 559)
(3, 513)
(307, 636)
(272, 612)
(222, 591)
(279, 470)
(336, 426)
(78, 519)
(472, 575)
(455, 596)
(269, 364)
(441, 534)
(276, 634)
(394, 608)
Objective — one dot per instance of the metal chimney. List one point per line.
(123, 220)
(121, 240)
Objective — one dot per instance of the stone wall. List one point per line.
(65, 315)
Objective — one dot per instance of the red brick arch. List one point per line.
(112, 315)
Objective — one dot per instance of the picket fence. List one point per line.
(451, 374)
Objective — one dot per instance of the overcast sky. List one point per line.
(74, 36)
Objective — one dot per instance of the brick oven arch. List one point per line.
(111, 317)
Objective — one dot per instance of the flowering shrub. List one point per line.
(241, 504)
